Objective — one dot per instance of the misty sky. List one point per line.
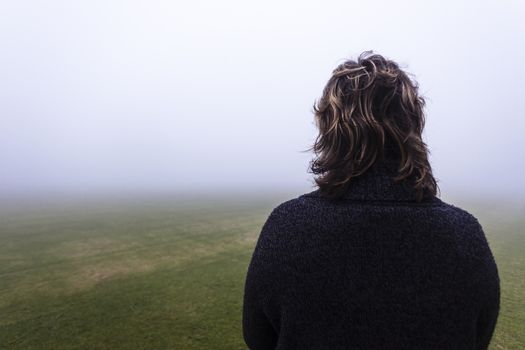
(99, 96)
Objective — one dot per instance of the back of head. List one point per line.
(370, 111)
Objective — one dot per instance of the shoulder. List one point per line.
(290, 218)
(471, 240)
(460, 216)
(296, 208)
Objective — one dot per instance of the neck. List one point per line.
(377, 184)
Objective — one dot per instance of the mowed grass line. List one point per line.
(195, 306)
(160, 277)
(170, 274)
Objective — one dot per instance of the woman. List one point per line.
(372, 259)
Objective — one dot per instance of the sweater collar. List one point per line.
(377, 184)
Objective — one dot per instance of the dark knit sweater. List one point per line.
(375, 270)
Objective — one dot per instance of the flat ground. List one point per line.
(169, 273)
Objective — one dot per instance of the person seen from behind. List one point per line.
(372, 258)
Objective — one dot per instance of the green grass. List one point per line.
(167, 274)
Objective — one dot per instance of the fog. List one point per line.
(137, 96)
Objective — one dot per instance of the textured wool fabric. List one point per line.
(375, 270)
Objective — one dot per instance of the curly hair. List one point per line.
(370, 110)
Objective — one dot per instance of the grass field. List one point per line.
(168, 273)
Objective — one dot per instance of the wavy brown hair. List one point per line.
(370, 110)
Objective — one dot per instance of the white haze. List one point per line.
(123, 96)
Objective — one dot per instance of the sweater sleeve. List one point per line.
(258, 331)
(490, 287)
